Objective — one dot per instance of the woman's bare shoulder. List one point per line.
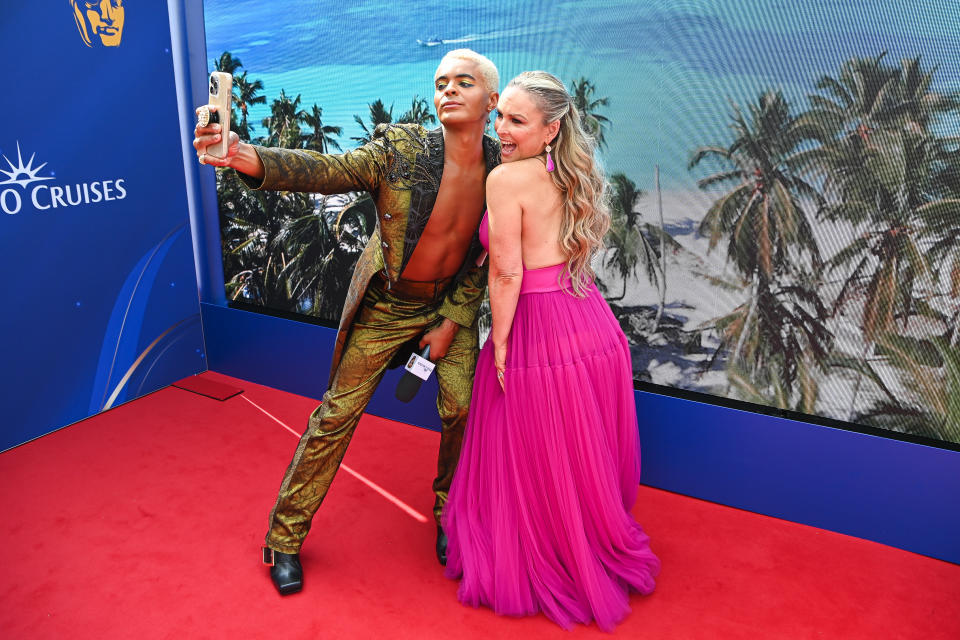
(519, 172)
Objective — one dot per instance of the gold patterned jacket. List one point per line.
(401, 168)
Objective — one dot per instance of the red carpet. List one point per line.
(146, 521)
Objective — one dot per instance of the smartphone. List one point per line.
(221, 94)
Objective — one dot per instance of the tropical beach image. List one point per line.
(784, 179)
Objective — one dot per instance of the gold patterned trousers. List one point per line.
(386, 321)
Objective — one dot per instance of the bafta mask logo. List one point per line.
(100, 23)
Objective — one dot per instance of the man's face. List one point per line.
(460, 94)
(100, 23)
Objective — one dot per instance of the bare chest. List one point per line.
(453, 221)
(459, 205)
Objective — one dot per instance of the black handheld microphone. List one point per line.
(417, 369)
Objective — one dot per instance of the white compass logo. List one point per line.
(21, 174)
(48, 196)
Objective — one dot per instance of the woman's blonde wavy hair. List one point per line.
(586, 211)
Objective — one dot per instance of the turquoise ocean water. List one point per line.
(669, 68)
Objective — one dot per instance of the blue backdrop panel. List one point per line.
(875, 488)
(289, 355)
(94, 233)
(890, 491)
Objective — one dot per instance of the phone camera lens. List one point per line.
(214, 86)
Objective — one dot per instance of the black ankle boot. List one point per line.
(441, 546)
(286, 571)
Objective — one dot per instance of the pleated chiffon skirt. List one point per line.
(538, 516)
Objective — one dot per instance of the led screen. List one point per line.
(785, 178)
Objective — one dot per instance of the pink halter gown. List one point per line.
(538, 516)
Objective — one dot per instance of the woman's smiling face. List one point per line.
(520, 126)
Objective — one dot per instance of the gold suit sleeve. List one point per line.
(463, 300)
(361, 169)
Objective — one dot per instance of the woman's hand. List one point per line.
(203, 137)
(500, 362)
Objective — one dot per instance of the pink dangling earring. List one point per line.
(550, 165)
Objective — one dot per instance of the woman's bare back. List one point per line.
(542, 205)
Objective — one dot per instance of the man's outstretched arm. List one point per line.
(279, 169)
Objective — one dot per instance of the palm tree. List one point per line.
(762, 215)
(920, 106)
(245, 94)
(780, 337)
(941, 227)
(227, 63)
(880, 188)
(878, 162)
(419, 113)
(770, 241)
(662, 233)
(283, 124)
(250, 223)
(255, 263)
(582, 91)
(310, 243)
(378, 115)
(322, 138)
(324, 246)
(869, 95)
(930, 406)
(627, 247)
(625, 196)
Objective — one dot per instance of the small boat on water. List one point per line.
(429, 42)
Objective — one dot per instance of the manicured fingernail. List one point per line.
(216, 137)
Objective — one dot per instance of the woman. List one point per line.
(538, 515)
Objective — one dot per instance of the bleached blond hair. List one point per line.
(488, 70)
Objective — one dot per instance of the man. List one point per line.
(419, 273)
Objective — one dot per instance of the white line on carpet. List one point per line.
(413, 513)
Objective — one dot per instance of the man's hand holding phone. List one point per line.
(207, 139)
(213, 140)
(215, 143)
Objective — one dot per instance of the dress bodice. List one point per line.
(484, 232)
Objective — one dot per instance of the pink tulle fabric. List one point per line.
(538, 515)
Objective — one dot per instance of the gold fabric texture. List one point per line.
(401, 167)
(384, 322)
